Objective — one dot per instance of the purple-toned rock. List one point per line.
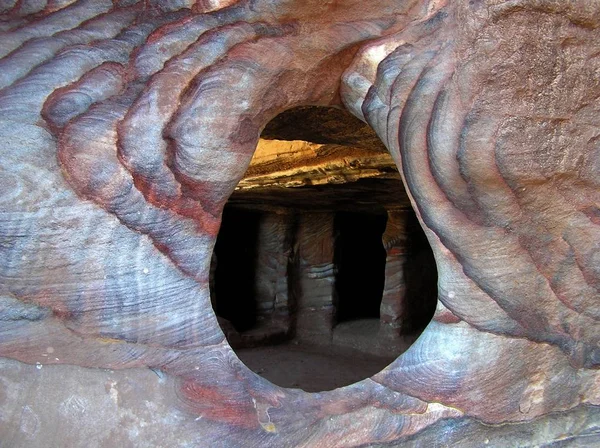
(125, 127)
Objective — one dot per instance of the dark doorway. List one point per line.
(235, 258)
(420, 274)
(360, 262)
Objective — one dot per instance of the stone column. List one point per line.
(395, 239)
(316, 278)
(271, 282)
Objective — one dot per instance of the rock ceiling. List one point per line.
(341, 164)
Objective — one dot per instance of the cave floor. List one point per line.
(316, 368)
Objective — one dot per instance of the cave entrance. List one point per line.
(321, 274)
(360, 264)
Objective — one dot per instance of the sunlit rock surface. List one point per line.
(125, 127)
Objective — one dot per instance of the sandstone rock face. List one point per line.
(125, 127)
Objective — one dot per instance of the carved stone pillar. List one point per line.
(395, 240)
(271, 281)
(316, 277)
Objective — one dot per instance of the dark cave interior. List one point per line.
(360, 264)
(235, 255)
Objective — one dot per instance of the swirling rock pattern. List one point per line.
(124, 128)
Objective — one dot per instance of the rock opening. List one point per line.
(321, 275)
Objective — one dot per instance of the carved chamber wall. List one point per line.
(295, 274)
(125, 127)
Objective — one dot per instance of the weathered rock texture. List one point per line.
(126, 126)
(316, 275)
(297, 163)
(395, 242)
(312, 177)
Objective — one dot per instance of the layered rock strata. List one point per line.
(125, 127)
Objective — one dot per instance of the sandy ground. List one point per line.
(358, 351)
(311, 368)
